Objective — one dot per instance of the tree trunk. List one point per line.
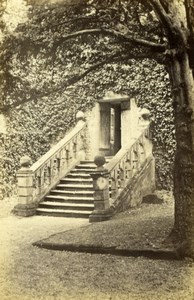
(183, 96)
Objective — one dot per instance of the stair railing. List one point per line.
(109, 180)
(127, 162)
(35, 181)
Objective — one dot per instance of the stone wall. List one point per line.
(93, 132)
(142, 184)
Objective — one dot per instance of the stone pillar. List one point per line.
(81, 119)
(26, 206)
(134, 120)
(125, 123)
(101, 192)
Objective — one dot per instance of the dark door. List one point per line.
(115, 129)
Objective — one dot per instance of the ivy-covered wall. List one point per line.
(34, 127)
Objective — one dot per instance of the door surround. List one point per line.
(113, 126)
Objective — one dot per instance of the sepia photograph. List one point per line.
(97, 149)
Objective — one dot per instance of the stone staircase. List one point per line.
(73, 196)
(63, 189)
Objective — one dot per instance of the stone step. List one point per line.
(69, 199)
(75, 186)
(85, 166)
(78, 175)
(62, 213)
(76, 180)
(82, 170)
(73, 196)
(67, 206)
(83, 162)
(73, 192)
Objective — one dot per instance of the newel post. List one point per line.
(25, 207)
(101, 192)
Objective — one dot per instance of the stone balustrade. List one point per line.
(35, 181)
(127, 162)
(112, 179)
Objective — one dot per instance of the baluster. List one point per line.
(125, 167)
(70, 151)
(52, 169)
(114, 185)
(134, 160)
(75, 147)
(118, 178)
(62, 159)
(49, 173)
(122, 174)
(58, 164)
(41, 179)
(67, 155)
(82, 141)
(128, 169)
(45, 177)
(129, 165)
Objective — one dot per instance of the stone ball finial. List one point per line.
(99, 160)
(80, 116)
(25, 161)
(145, 113)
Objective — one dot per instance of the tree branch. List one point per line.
(128, 38)
(174, 33)
(165, 4)
(83, 18)
(189, 7)
(119, 56)
(161, 12)
(35, 93)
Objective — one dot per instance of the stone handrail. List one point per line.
(126, 163)
(35, 181)
(57, 162)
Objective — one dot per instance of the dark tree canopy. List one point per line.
(81, 38)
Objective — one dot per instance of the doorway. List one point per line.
(110, 128)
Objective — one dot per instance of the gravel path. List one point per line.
(28, 272)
